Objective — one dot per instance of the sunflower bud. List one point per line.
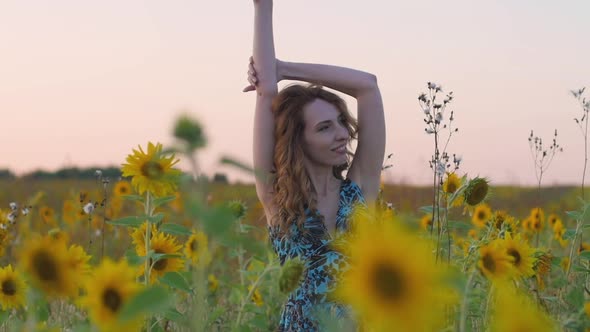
(290, 275)
(190, 131)
(476, 191)
(238, 209)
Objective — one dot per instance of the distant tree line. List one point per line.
(113, 173)
(64, 173)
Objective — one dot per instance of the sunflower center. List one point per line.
(514, 253)
(451, 187)
(8, 287)
(45, 266)
(388, 281)
(481, 215)
(194, 245)
(152, 170)
(489, 263)
(161, 263)
(112, 299)
(123, 190)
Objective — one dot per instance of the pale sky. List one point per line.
(82, 83)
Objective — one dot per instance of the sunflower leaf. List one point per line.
(574, 214)
(173, 315)
(156, 218)
(133, 198)
(133, 258)
(174, 229)
(569, 234)
(585, 254)
(457, 224)
(157, 257)
(151, 300)
(176, 280)
(163, 200)
(127, 221)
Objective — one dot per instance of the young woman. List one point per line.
(302, 136)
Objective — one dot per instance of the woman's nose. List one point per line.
(342, 132)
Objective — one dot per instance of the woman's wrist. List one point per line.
(281, 70)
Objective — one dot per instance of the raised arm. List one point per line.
(365, 168)
(266, 90)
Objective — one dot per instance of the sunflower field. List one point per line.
(158, 249)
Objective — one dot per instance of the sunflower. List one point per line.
(558, 229)
(499, 218)
(78, 259)
(587, 308)
(393, 277)
(522, 254)
(122, 188)
(111, 286)
(59, 235)
(152, 171)
(481, 215)
(138, 237)
(163, 244)
(529, 318)
(69, 212)
(426, 221)
(47, 263)
(552, 219)
(47, 215)
(476, 191)
(537, 219)
(256, 297)
(527, 224)
(196, 249)
(494, 262)
(452, 183)
(543, 268)
(12, 288)
(212, 283)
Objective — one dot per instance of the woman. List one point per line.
(301, 140)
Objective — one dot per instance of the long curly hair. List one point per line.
(292, 187)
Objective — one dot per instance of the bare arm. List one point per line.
(264, 57)
(365, 169)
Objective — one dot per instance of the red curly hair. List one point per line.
(292, 187)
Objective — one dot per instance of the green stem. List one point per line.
(148, 212)
(268, 268)
(463, 318)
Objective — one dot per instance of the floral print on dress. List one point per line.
(322, 263)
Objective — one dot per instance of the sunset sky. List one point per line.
(82, 83)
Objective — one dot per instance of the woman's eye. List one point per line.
(323, 128)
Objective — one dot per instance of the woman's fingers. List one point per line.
(251, 76)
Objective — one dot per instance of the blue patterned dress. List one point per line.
(322, 263)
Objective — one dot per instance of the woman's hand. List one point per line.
(253, 79)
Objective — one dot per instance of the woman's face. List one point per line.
(325, 137)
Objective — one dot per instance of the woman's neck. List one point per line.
(322, 179)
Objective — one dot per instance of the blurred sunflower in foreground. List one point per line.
(109, 289)
(12, 288)
(393, 278)
(529, 316)
(50, 266)
(152, 171)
